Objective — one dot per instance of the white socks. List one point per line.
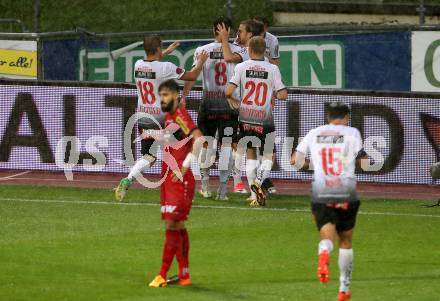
(138, 167)
(345, 268)
(251, 174)
(236, 170)
(263, 171)
(325, 245)
(345, 262)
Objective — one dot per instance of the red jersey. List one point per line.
(178, 150)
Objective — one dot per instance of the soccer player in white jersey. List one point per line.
(215, 114)
(149, 74)
(245, 32)
(334, 150)
(272, 44)
(257, 81)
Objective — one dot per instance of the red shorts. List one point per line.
(176, 197)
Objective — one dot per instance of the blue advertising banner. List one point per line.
(365, 61)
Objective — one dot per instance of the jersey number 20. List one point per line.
(258, 90)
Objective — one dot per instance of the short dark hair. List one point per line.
(151, 43)
(170, 84)
(257, 45)
(247, 24)
(262, 19)
(257, 28)
(337, 110)
(221, 20)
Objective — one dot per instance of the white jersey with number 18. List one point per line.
(148, 76)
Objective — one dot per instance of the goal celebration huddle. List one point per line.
(241, 83)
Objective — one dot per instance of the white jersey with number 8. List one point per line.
(148, 76)
(216, 71)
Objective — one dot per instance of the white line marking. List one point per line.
(13, 176)
(205, 207)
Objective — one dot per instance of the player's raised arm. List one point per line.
(228, 55)
(195, 71)
(171, 48)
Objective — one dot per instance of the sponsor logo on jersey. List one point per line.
(330, 139)
(182, 125)
(257, 74)
(216, 55)
(145, 74)
(167, 209)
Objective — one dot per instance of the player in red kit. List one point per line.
(177, 190)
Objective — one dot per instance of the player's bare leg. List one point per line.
(176, 244)
(143, 163)
(327, 235)
(345, 264)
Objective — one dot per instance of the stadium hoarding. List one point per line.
(368, 61)
(399, 130)
(425, 61)
(18, 59)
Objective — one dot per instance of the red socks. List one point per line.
(176, 243)
(172, 242)
(182, 255)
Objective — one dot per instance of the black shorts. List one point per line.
(210, 124)
(343, 215)
(260, 132)
(147, 147)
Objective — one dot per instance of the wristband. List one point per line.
(188, 160)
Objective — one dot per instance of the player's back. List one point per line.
(148, 76)
(333, 151)
(216, 71)
(258, 79)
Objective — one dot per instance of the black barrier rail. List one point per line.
(95, 84)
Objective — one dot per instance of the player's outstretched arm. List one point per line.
(171, 48)
(195, 71)
(233, 102)
(299, 161)
(228, 55)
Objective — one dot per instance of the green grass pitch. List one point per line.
(76, 244)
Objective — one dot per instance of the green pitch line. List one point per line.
(76, 244)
